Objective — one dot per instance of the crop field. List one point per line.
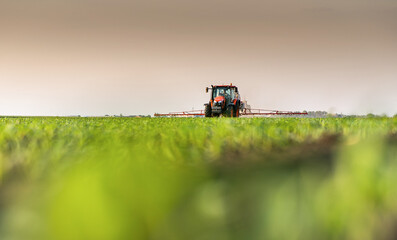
(198, 178)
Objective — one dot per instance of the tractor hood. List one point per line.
(219, 99)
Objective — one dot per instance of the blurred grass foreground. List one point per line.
(260, 178)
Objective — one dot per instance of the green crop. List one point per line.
(198, 178)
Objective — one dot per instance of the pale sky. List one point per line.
(97, 57)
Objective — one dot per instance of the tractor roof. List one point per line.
(223, 86)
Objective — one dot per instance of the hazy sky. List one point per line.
(96, 57)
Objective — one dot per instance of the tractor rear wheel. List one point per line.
(237, 110)
(207, 111)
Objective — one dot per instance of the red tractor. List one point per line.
(225, 101)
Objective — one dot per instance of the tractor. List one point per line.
(225, 101)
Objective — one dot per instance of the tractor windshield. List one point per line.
(227, 92)
(221, 91)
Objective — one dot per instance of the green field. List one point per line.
(196, 178)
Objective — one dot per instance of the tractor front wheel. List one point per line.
(234, 111)
(230, 112)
